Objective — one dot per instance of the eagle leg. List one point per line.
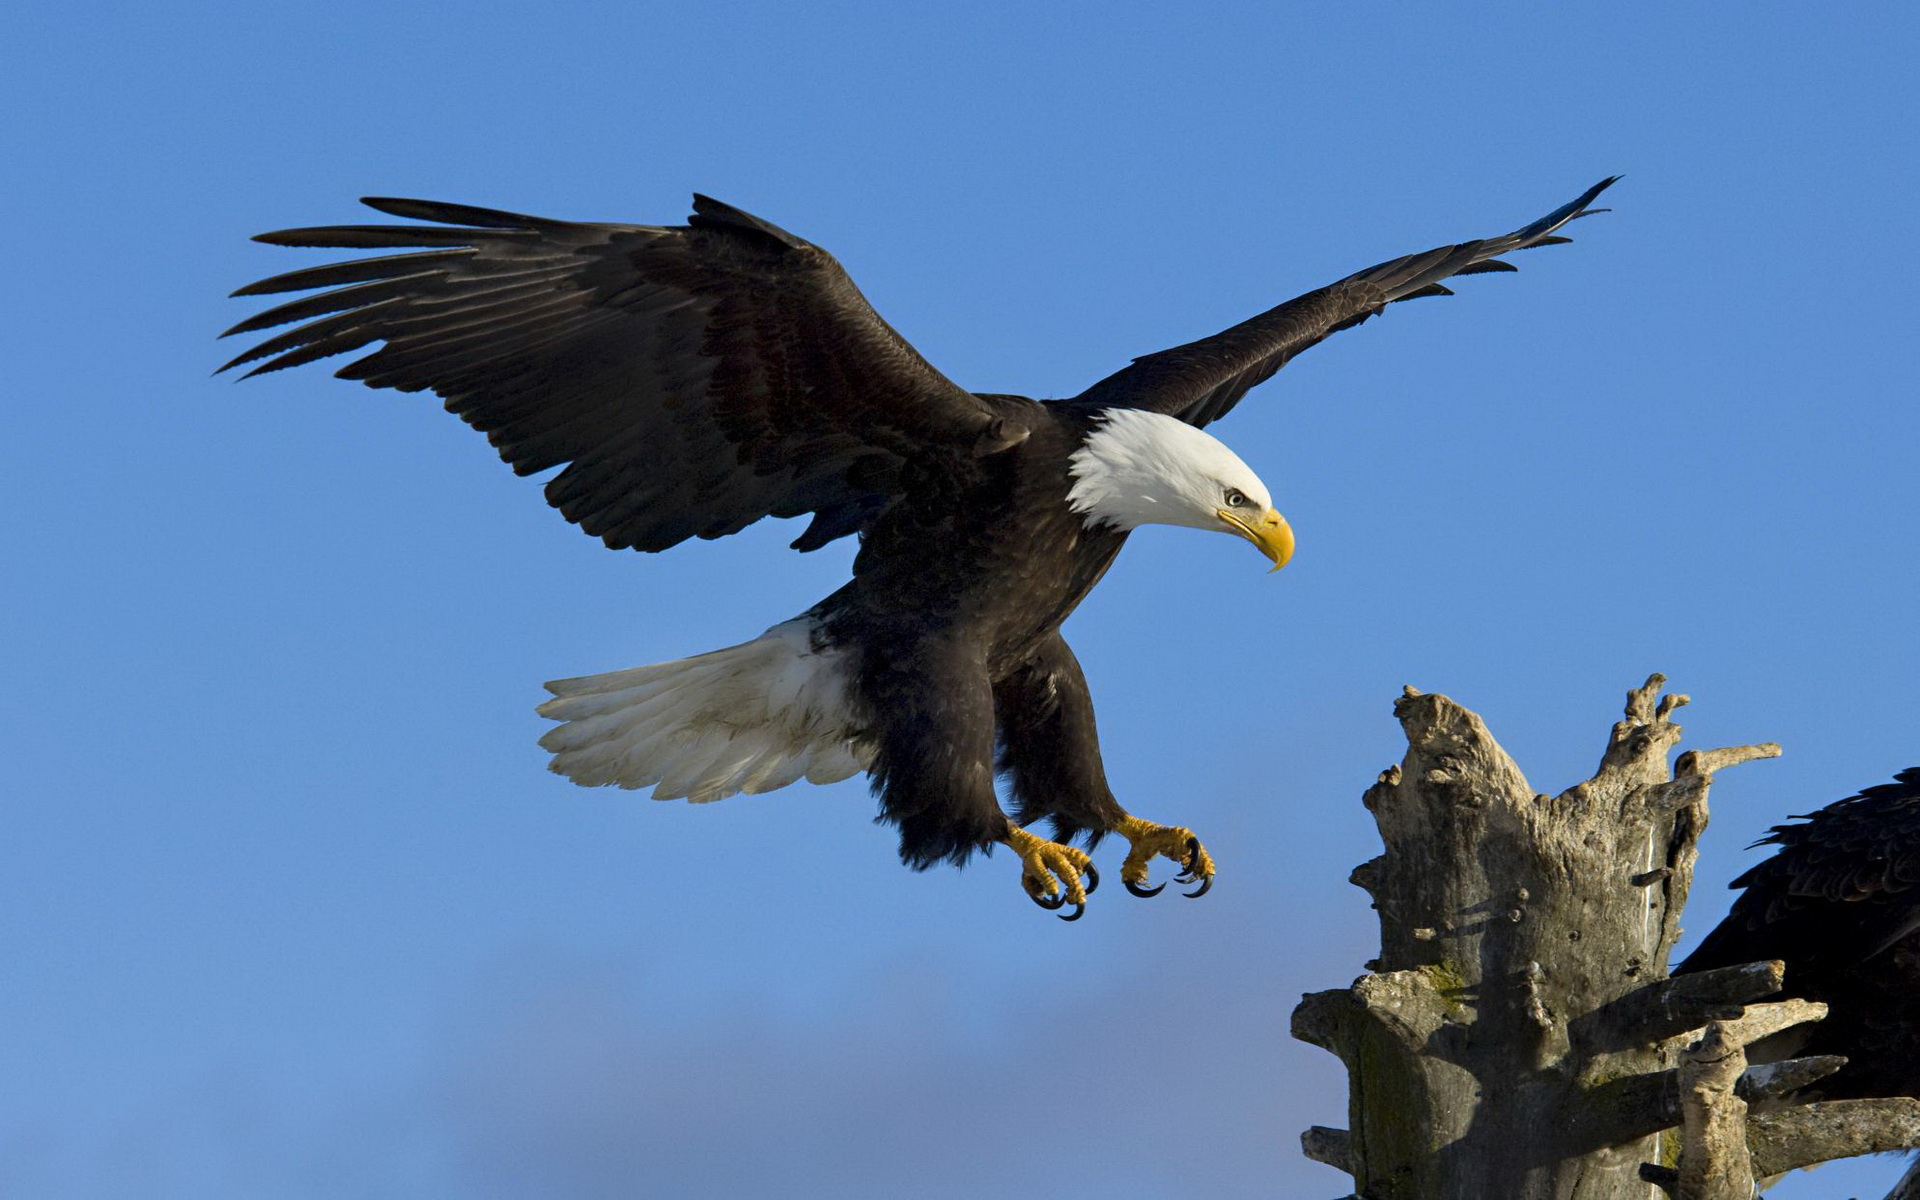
(1053, 875)
(1146, 840)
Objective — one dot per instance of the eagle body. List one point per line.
(990, 553)
(944, 645)
(956, 637)
(686, 381)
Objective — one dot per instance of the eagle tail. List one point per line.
(749, 718)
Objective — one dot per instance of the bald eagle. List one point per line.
(692, 379)
(1839, 904)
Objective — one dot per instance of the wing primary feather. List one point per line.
(458, 214)
(312, 332)
(337, 300)
(342, 344)
(355, 270)
(373, 237)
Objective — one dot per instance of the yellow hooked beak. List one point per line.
(1269, 531)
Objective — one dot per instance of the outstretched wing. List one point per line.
(1201, 381)
(692, 379)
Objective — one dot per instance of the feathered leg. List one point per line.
(931, 713)
(1050, 749)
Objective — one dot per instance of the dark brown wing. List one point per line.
(1201, 381)
(1843, 887)
(1839, 904)
(692, 379)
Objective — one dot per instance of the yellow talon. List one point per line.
(1169, 841)
(1047, 865)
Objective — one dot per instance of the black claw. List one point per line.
(1079, 910)
(1193, 853)
(1145, 893)
(1039, 897)
(1093, 881)
(1206, 882)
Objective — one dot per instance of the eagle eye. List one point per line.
(1236, 498)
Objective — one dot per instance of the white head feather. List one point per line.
(1142, 468)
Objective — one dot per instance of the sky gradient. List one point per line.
(291, 907)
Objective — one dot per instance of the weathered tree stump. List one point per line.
(1519, 1037)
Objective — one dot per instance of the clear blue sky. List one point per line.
(289, 905)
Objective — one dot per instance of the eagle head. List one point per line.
(1143, 468)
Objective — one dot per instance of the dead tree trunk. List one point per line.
(1519, 1037)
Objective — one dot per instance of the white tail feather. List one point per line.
(750, 718)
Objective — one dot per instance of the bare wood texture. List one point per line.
(1816, 1133)
(1519, 1036)
(1714, 1163)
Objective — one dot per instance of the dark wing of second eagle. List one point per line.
(1839, 904)
(1843, 888)
(691, 379)
(1201, 381)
